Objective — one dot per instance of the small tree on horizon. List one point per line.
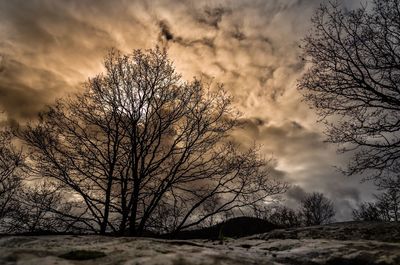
(385, 208)
(285, 217)
(316, 209)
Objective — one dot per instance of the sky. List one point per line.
(48, 48)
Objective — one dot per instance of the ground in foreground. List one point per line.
(301, 247)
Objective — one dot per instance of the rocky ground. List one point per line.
(346, 243)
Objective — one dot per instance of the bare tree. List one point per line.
(389, 204)
(41, 209)
(385, 208)
(285, 217)
(277, 214)
(353, 81)
(368, 212)
(316, 209)
(391, 179)
(11, 163)
(140, 143)
(77, 142)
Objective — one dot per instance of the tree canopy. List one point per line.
(353, 81)
(140, 150)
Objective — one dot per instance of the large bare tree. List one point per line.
(354, 81)
(140, 143)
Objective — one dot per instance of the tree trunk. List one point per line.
(103, 226)
(132, 220)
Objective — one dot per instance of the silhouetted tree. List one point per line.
(77, 142)
(11, 163)
(285, 217)
(354, 81)
(316, 209)
(277, 214)
(386, 208)
(368, 212)
(391, 180)
(140, 144)
(389, 203)
(41, 209)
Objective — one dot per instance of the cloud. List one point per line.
(49, 47)
(24, 89)
(248, 46)
(165, 32)
(297, 193)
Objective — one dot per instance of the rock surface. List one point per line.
(267, 248)
(378, 231)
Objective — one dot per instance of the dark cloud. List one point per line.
(24, 89)
(346, 192)
(346, 199)
(165, 31)
(212, 16)
(297, 193)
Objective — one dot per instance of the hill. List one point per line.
(234, 228)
